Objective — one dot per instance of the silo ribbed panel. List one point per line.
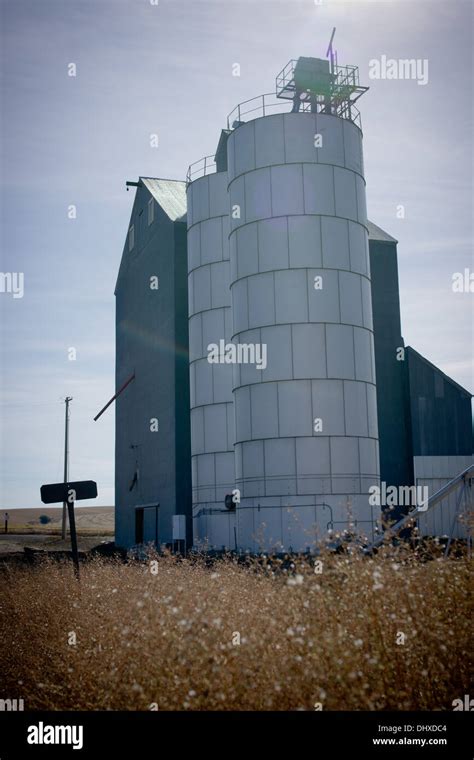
(298, 220)
(212, 417)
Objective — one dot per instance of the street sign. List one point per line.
(66, 492)
(69, 493)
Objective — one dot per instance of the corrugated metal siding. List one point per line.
(440, 411)
(396, 467)
(449, 515)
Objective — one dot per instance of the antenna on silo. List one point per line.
(330, 53)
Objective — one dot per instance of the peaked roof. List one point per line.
(170, 194)
(432, 366)
(377, 233)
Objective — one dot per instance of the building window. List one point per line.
(131, 237)
(151, 211)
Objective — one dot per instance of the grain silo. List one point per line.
(306, 448)
(296, 303)
(212, 415)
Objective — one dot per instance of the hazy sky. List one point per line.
(167, 69)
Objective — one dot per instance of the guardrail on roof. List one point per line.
(269, 103)
(206, 165)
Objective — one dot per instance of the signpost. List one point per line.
(69, 493)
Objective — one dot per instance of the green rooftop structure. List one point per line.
(320, 85)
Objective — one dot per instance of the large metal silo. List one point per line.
(306, 445)
(212, 417)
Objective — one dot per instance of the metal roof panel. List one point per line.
(377, 233)
(170, 194)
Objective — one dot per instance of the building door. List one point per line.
(139, 525)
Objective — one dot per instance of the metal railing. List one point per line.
(285, 79)
(341, 77)
(463, 482)
(206, 165)
(268, 104)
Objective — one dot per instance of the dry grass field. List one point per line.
(386, 633)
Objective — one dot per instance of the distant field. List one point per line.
(89, 520)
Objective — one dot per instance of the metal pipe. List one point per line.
(66, 464)
(114, 397)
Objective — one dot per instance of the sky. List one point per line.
(166, 67)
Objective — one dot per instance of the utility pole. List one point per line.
(66, 462)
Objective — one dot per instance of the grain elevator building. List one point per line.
(279, 371)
